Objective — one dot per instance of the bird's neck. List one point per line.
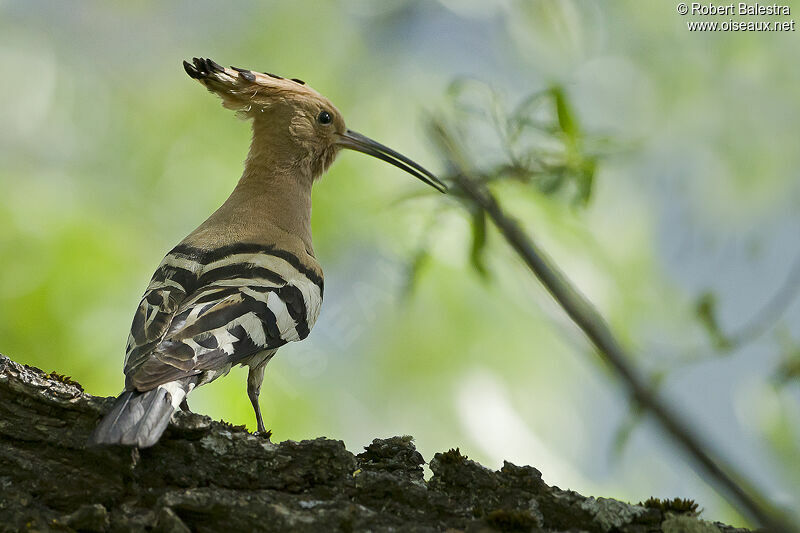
(274, 190)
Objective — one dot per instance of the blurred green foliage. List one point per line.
(109, 155)
(540, 144)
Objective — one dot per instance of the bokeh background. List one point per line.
(110, 154)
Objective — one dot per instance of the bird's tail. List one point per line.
(139, 418)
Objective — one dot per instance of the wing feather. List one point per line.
(236, 306)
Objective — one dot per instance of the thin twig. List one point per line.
(733, 484)
(583, 313)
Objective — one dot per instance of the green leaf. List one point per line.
(706, 311)
(585, 181)
(566, 118)
(624, 431)
(476, 255)
(789, 368)
(421, 258)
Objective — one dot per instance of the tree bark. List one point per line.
(211, 476)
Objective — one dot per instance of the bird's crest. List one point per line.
(246, 91)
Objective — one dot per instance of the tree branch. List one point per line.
(211, 476)
(586, 317)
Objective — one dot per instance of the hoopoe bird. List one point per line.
(246, 281)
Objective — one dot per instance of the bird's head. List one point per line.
(295, 123)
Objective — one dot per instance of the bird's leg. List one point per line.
(253, 393)
(185, 406)
(254, 379)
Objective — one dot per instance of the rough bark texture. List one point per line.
(210, 476)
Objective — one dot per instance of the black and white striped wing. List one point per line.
(243, 304)
(167, 290)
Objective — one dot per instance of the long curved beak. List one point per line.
(360, 143)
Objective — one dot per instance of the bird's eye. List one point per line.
(324, 118)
